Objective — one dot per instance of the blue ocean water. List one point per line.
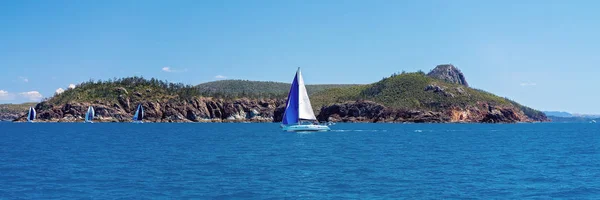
(258, 161)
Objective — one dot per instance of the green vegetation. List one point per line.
(139, 89)
(407, 91)
(530, 112)
(256, 89)
(401, 91)
(15, 108)
(135, 88)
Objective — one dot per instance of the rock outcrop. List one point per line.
(201, 109)
(448, 73)
(206, 109)
(367, 111)
(439, 89)
(9, 116)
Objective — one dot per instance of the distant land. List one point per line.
(572, 119)
(567, 114)
(560, 116)
(440, 96)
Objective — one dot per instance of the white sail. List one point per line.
(31, 114)
(89, 115)
(305, 110)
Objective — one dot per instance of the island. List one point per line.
(440, 96)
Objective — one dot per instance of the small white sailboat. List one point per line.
(31, 114)
(139, 114)
(299, 115)
(89, 115)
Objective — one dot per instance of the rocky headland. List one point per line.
(441, 96)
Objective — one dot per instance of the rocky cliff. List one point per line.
(367, 111)
(200, 109)
(441, 96)
(9, 112)
(448, 73)
(9, 116)
(204, 109)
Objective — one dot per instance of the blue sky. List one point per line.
(543, 53)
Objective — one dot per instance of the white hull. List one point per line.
(306, 128)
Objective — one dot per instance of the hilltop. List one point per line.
(417, 97)
(405, 97)
(448, 73)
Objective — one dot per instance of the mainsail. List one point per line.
(139, 113)
(89, 115)
(31, 114)
(298, 104)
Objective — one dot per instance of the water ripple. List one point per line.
(258, 161)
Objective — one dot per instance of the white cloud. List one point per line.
(71, 86)
(4, 95)
(528, 84)
(31, 95)
(59, 90)
(220, 77)
(24, 79)
(172, 70)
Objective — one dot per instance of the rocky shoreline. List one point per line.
(367, 111)
(10, 116)
(201, 109)
(207, 109)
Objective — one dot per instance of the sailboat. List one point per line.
(139, 114)
(89, 115)
(31, 114)
(299, 116)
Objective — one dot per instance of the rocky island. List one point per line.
(440, 96)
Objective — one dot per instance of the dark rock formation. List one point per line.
(367, 111)
(9, 116)
(448, 73)
(204, 109)
(199, 109)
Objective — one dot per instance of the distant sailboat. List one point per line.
(89, 115)
(31, 114)
(139, 114)
(298, 109)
